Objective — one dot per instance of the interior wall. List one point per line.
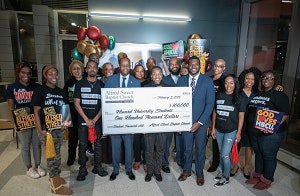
(216, 20)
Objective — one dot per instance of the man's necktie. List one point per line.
(193, 85)
(123, 82)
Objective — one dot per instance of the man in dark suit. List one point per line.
(203, 99)
(171, 80)
(123, 80)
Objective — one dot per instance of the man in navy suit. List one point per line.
(203, 99)
(171, 80)
(123, 80)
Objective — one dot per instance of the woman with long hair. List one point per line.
(227, 122)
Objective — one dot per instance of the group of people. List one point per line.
(223, 106)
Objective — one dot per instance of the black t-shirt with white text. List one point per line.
(21, 94)
(90, 98)
(45, 96)
(273, 100)
(227, 112)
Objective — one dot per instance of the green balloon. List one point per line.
(76, 54)
(111, 45)
(111, 38)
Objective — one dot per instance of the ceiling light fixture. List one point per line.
(136, 16)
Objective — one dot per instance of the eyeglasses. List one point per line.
(219, 66)
(267, 78)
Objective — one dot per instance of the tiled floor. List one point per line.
(13, 180)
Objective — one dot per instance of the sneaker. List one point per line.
(218, 177)
(41, 171)
(222, 182)
(90, 152)
(32, 173)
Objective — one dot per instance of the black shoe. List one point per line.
(212, 168)
(234, 172)
(81, 175)
(100, 171)
(70, 162)
(148, 177)
(166, 169)
(180, 165)
(158, 177)
(113, 176)
(130, 175)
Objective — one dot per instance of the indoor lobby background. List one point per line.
(260, 33)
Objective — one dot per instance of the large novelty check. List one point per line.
(146, 110)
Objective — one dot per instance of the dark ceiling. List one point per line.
(25, 5)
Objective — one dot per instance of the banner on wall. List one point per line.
(146, 110)
(173, 49)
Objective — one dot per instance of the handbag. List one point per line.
(234, 152)
(92, 136)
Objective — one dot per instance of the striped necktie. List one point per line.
(193, 85)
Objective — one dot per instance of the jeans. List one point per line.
(28, 138)
(225, 142)
(266, 149)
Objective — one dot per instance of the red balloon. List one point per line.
(104, 42)
(93, 32)
(81, 33)
(208, 66)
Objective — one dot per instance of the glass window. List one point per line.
(27, 42)
(69, 22)
(267, 43)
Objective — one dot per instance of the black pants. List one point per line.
(139, 147)
(83, 142)
(154, 156)
(72, 143)
(216, 153)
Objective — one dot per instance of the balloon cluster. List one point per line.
(205, 64)
(97, 42)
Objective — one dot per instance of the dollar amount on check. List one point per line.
(146, 110)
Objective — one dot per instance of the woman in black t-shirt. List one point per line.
(18, 96)
(44, 96)
(266, 145)
(138, 139)
(76, 70)
(227, 123)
